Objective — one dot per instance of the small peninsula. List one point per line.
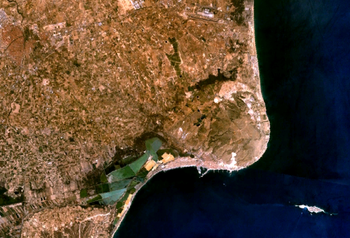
(98, 96)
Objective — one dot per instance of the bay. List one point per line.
(304, 60)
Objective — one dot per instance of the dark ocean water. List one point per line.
(303, 51)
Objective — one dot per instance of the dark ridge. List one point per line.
(118, 157)
(6, 200)
(2, 190)
(76, 63)
(199, 120)
(92, 178)
(175, 59)
(238, 12)
(26, 33)
(212, 79)
(139, 142)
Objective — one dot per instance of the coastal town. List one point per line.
(99, 96)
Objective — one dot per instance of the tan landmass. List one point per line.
(82, 80)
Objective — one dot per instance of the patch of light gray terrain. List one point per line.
(314, 209)
(233, 164)
(230, 88)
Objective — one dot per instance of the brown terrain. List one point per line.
(82, 80)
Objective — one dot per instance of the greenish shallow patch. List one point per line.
(154, 155)
(121, 174)
(112, 197)
(153, 144)
(119, 184)
(140, 179)
(137, 165)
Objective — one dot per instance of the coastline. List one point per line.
(184, 162)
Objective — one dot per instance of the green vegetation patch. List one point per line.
(129, 160)
(123, 199)
(103, 178)
(83, 193)
(121, 202)
(132, 190)
(141, 175)
(102, 188)
(134, 183)
(94, 199)
(121, 174)
(120, 205)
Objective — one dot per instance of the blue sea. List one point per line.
(304, 59)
